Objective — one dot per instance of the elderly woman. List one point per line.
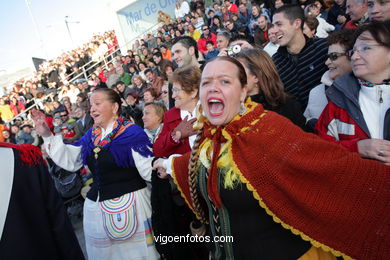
(358, 113)
(266, 87)
(339, 64)
(117, 213)
(177, 135)
(279, 192)
(153, 116)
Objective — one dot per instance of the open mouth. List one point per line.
(216, 106)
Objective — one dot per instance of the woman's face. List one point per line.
(137, 81)
(370, 61)
(183, 100)
(130, 100)
(6, 134)
(150, 118)
(278, 3)
(221, 92)
(148, 97)
(255, 11)
(102, 111)
(169, 71)
(142, 66)
(216, 21)
(137, 58)
(339, 66)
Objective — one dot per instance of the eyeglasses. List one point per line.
(164, 92)
(362, 49)
(335, 55)
(176, 90)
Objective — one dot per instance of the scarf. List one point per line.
(316, 189)
(123, 139)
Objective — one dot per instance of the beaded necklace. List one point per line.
(368, 84)
(100, 143)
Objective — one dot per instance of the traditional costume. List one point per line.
(33, 220)
(117, 211)
(271, 178)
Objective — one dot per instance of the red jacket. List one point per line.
(164, 145)
(202, 42)
(336, 125)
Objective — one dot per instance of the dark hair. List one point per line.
(149, 70)
(158, 54)
(164, 65)
(292, 12)
(187, 42)
(112, 96)
(241, 70)
(380, 31)
(188, 77)
(345, 37)
(210, 42)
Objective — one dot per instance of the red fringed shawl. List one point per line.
(317, 189)
(29, 154)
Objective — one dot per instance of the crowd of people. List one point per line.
(268, 121)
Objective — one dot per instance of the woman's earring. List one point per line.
(242, 109)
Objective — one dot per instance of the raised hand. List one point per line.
(185, 128)
(41, 126)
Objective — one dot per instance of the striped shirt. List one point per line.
(303, 71)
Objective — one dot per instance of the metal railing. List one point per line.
(107, 59)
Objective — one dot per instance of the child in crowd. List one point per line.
(211, 52)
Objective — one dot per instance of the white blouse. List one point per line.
(68, 156)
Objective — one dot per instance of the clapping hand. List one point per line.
(41, 126)
(185, 128)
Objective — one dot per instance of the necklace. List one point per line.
(97, 132)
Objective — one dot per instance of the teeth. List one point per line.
(280, 37)
(214, 101)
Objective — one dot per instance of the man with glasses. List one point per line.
(204, 38)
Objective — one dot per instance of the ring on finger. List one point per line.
(381, 152)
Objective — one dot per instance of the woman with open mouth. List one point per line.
(267, 189)
(117, 210)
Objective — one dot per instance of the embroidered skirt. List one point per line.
(139, 246)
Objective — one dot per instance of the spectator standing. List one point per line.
(300, 61)
(185, 51)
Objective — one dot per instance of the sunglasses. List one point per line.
(164, 92)
(335, 55)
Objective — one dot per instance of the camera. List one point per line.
(232, 50)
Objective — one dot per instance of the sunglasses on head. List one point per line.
(335, 55)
